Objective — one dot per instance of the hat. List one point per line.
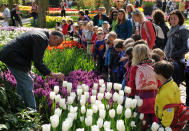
(105, 22)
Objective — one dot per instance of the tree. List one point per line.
(43, 8)
(107, 5)
(10, 4)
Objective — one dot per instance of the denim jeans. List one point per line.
(24, 86)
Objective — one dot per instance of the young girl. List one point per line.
(88, 38)
(143, 82)
(64, 27)
(70, 28)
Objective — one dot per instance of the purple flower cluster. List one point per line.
(82, 77)
(43, 87)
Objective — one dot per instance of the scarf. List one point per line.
(169, 46)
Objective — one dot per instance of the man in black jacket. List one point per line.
(19, 54)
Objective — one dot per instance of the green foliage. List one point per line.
(144, 4)
(67, 60)
(14, 115)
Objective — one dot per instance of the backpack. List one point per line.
(181, 116)
(145, 78)
(160, 37)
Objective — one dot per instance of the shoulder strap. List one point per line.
(146, 30)
(171, 106)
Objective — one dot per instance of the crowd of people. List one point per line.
(143, 54)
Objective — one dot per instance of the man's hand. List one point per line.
(59, 76)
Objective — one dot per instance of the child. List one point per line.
(64, 27)
(70, 28)
(84, 33)
(168, 93)
(94, 37)
(88, 37)
(142, 81)
(105, 26)
(114, 61)
(159, 52)
(99, 52)
(58, 26)
(111, 37)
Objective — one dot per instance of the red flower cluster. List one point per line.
(66, 44)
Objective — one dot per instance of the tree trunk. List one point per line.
(43, 6)
(23, 2)
(16, 1)
(10, 4)
(107, 6)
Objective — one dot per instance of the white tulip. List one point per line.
(141, 116)
(56, 89)
(112, 113)
(128, 113)
(168, 129)
(128, 102)
(137, 97)
(154, 126)
(106, 124)
(95, 86)
(86, 88)
(115, 86)
(79, 87)
(88, 120)
(134, 114)
(108, 95)
(52, 95)
(120, 99)
(82, 118)
(62, 102)
(95, 128)
(101, 82)
(83, 110)
(161, 129)
(69, 85)
(58, 111)
(119, 86)
(71, 115)
(139, 102)
(86, 95)
(134, 103)
(107, 107)
(100, 122)
(100, 96)
(83, 102)
(121, 93)
(133, 124)
(89, 112)
(46, 127)
(94, 108)
(120, 125)
(115, 96)
(64, 107)
(65, 83)
(109, 86)
(80, 129)
(67, 124)
(93, 99)
(75, 109)
(57, 98)
(102, 114)
(54, 120)
(79, 92)
(70, 100)
(144, 122)
(73, 94)
(108, 129)
(94, 92)
(119, 109)
(102, 90)
(127, 90)
(101, 106)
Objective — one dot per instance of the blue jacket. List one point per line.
(124, 30)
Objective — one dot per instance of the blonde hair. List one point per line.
(138, 13)
(127, 41)
(116, 41)
(112, 34)
(159, 52)
(130, 6)
(140, 52)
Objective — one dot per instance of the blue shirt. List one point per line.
(100, 48)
